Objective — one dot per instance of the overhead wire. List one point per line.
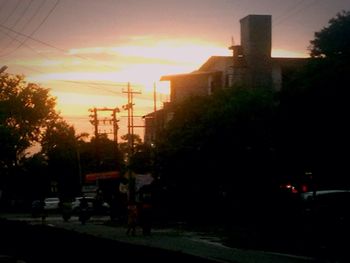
(289, 9)
(36, 29)
(30, 37)
(65, 51)
(28, 22)
(303, 7)
(50, 45)
(94, 85)
(33, 38)
(11, 13)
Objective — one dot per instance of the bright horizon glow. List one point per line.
(282, 53)
(141, 64)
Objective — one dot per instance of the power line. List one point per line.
(12, 12)
(94, 85)
(22, 14)
(91, 85)
(30, 37)
(36, 29)
(121, 84)
(34, 39)
(289, 9)
(302, 8)
(36, 12)
(47, 44)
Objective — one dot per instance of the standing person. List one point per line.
(146, 218)
(132, 218)
(98, 202)
(146, 213)
(66, 209)
(42, 212)
(83, 210)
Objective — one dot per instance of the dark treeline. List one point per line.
(29, 122)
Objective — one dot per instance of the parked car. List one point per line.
(320, 194)
(92, 203)
(76, 203)
(52, 203)
(327, 205)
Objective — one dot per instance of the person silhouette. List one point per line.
(83, 210)
(132, 218)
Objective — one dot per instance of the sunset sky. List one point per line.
(86, 51)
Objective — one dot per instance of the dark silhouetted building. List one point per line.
(250, 66)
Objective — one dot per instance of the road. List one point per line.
(54, 240)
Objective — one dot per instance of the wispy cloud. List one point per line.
(144, 47)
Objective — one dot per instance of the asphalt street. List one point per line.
(54, 240)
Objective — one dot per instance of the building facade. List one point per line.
(251, 65)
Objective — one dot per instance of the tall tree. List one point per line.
(222, 143)
(60, 145)
(333, 41)
(314, 108)
(25, 111)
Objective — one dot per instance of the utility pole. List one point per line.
(130, 108)
(115, 124)
(94, 120)
(105, 121)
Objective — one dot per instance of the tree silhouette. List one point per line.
(333, 41)
(60, 146)
(314, 106)
(26, 110)
(220, 144)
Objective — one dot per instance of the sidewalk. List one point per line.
(186, 242)
(173, 239)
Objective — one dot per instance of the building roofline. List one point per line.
(194, 73)
(290, 58)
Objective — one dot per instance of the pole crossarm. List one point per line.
(113, 121)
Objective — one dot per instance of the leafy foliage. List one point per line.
(314, 108)
(28, 118)
(25, 111)
(219, 144)
(334, 40)
(60, 146)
